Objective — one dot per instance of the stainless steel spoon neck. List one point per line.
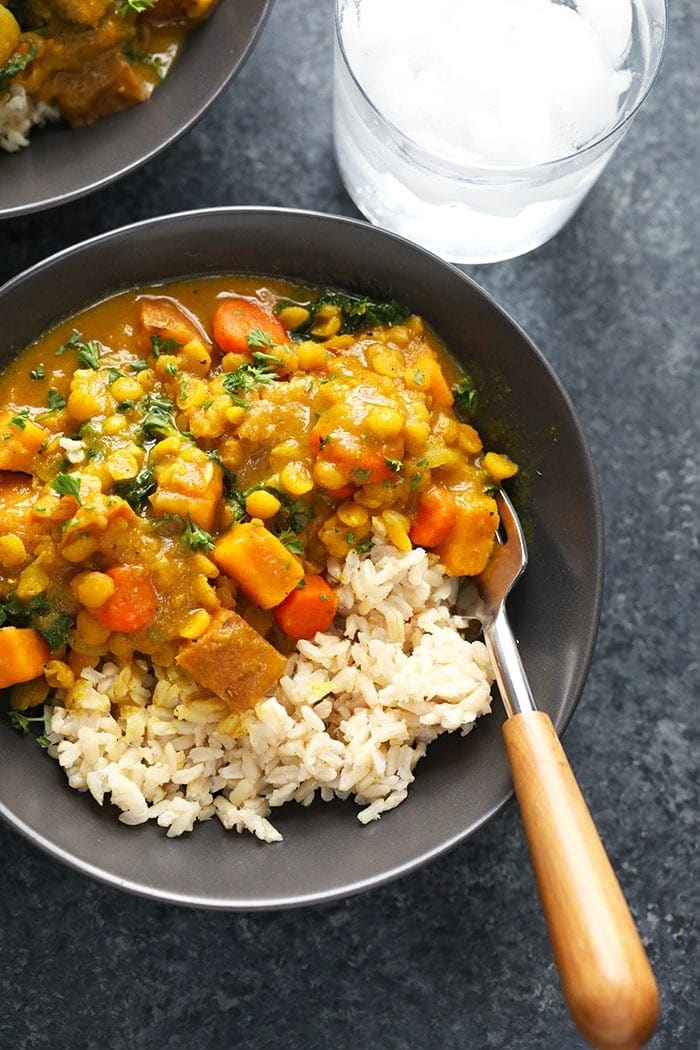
(510, 674)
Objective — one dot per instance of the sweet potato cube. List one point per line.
(23, 653)
(190, 483)
(20, 440)
(164, 318)
(260, 564)
(468, 547)
(232, 660)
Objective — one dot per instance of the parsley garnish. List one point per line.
(137, 490)
(245, 378)
(159, 420)
(363, 546)
(361, 474)
(143, 58)
(15, 65)
(358, 312)
(171, 369)
(197, 538)
(20, 420)
(291, 541)
(415, 482)
(465, 396)
(394, 465)
(113, 374)
(139, 366)
(257, 339)
(66, 485)
(55, 401)
(22, 722)
(163, 346)
(38, 373)
(135, 6)
(88, 353)
(55, 630)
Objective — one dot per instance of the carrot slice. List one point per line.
(23, 653)
(133, 604)
(435, 518)
(360, 464)
(307, 609)
(238, 319)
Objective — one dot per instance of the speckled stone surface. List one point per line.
(456, 955)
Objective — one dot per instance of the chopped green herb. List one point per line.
(394, 465)
(350, 539)
(15, 65)
(135, 6)
(358, 312)
(325, 440)
(257, 339)
(206, 405)
(54, 400)
(245, 378)
(465, 396)
(43, 741)
(171, 369)
(144, 58)
(323, 597)
(137, 490)
(20, 420)
(22, 722)
(66, 485)
(415, 482)
(291, 541)
(113, 374)
(163, 346)
(361, 474)
(363, 546)
(159, 419)
(88, 353)
(139, 366)
(55, 630)
(197, 538)
(72, 343)
(38, 373)
(422, 463)
(418, 377)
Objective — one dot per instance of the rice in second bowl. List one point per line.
(352, 715)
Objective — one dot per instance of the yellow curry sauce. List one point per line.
(90, 58)
(178, 463)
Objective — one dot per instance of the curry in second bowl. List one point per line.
(235, 516)
(80, 60)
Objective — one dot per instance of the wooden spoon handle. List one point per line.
(604, 971)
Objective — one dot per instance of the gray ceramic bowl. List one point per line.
(463, 782)
(63, 163)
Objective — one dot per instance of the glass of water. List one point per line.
(477, 127)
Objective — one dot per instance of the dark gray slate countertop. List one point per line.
(456, 955)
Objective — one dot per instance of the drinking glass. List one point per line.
(467, 210)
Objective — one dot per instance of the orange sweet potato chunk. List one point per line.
(232, 660)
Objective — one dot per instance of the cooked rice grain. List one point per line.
(18, 115)
(352, 715)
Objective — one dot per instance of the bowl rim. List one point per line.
(195, 114)
(597, 546)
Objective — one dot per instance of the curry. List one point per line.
(90, 58)
(179, 463)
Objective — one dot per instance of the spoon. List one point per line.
(603, 968)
